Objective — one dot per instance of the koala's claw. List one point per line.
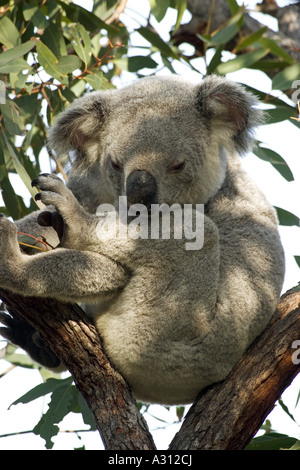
(20, 333)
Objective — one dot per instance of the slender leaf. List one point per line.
(275, 49)
(284, 79)
(251, 39)
(19, 167)
(276, 161)
(180, 6)
(157, 42)
(17, 52)
(242, 61)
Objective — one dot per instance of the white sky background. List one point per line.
(283, 138)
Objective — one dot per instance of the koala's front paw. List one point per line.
(55, 193)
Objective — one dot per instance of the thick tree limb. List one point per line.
(76, 341)
(227, 415)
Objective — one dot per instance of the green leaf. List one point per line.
(98, 81)
(135, 63)
(81, 43)
(278, 114)
(286, 218)
(67, 64)
(180, 6)
(63, 400)
(15, 66)
(284, 79)
(17, 52)
(11, 116)
(54, 39)
(233, 5)
(9, 34)
(10, 198)
(50, 63)
(251, 39)
(19, 167)
(275, 49)
(157, 42)
(285, 409)
(230, 30)
(159, 8)
(276, 161)
(242, 61)
(271, 441)
(215, 61)
(51, 385)
(91, 22)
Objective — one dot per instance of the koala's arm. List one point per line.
(64, 274)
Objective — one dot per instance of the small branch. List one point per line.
(116, 14)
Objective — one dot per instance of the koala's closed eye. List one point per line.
(177, 167)
(116, 165)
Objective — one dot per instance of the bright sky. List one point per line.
(283, 138)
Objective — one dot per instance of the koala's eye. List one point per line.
(116, 165)
(178, 167)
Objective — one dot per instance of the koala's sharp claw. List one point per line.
(38, 197)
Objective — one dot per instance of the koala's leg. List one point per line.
(63, 274)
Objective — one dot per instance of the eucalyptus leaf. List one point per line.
(17, 52)
(81, 43)
(241, 61)
(286, 218)
(284, 79)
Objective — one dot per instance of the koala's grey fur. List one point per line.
(172, 320)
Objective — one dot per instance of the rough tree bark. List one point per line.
(225, 416)
(77, 343)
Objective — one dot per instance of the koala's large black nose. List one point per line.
(141, 187)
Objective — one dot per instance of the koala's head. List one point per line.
(159, 140)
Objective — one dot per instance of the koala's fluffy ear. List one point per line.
(226, 105)
(77, 124)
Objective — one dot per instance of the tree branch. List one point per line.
(228, 414)
(76, 341)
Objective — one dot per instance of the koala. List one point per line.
(173, 320)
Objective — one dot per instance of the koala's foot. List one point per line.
(20, 333)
